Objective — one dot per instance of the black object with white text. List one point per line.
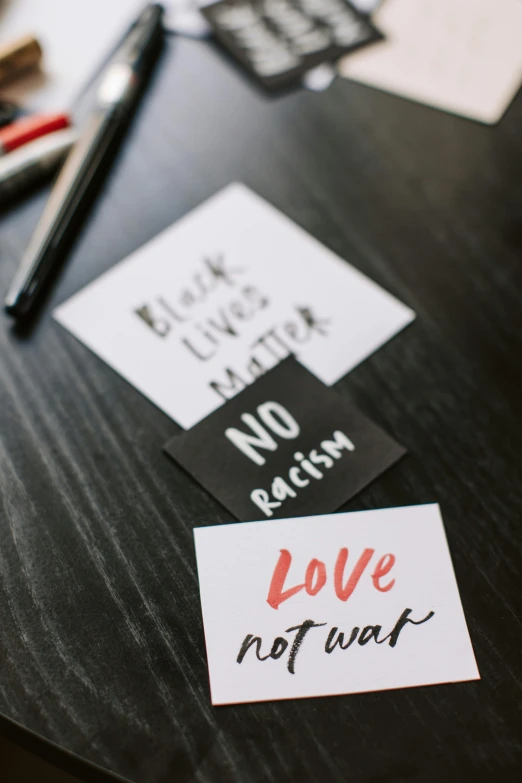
(285, 446)
(279, 40)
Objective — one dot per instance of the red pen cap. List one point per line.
(28, 128)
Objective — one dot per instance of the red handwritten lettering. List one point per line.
(316, 576)
(345, 592)
(315, 567)
(276, 596)
(383, 567)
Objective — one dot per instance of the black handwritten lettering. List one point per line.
(223, 325)
(170, 310)
(368, 633)
(194, 350)
(331, 644)
(219, 271)
(188, 298)
(258, 300)
(302, 630)
(335, 639)
(401, 622)
(319, 325)
(214, 272)
(248, 642)
(233, 384)
(255, 369)
(158, 325)
(281, 351)
(279, 646)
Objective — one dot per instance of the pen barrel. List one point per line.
(118, 92)
(68, 192)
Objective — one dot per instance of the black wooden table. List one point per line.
(102, 650)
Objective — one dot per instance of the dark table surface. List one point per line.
(102, 648)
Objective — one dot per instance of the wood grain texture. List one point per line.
(102, 648)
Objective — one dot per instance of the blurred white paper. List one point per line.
(76, 38)
(464, 57)
(222, 296)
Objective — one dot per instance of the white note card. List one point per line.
(464, 57)
(330, 605)
(221, 297)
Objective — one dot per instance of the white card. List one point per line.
(464, 57)
(383, 579)
(222, 296)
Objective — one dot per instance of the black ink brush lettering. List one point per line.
(229, 388)
(302, 630)
(336, 637)
(403, 620)
(248, 642)
(159, 326)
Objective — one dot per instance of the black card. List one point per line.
(279, 40)
(286, 446)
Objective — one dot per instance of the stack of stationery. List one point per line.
(240, 341)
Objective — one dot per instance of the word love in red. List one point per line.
(315, 576)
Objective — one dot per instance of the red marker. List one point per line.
(29, 128)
